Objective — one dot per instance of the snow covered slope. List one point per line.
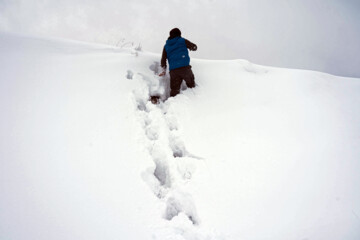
(251, 153)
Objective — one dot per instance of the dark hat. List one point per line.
(175, 33)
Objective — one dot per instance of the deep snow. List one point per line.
(252, 152)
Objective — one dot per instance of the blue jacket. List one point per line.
(177, 53)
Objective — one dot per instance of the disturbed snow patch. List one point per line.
(172, 165)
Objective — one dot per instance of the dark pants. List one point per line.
(176, 78)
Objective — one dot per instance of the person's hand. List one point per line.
(162, 74)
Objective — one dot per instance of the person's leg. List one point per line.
(175, 83)
(189, 78)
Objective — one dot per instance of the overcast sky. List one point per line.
(321, 35)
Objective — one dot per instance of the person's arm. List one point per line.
(163, 62)
(191, 46)
(163, 59)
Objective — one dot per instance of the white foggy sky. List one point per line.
(321, 35)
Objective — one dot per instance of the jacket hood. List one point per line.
(172, 41)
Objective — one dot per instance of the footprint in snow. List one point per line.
(129, 74)
(181, 203)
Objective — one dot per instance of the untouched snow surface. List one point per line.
(252, 152)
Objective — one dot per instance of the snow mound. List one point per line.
(252, 152)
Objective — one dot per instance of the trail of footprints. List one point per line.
(174, 165)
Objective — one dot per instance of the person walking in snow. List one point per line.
(176, 52)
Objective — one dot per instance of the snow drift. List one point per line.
(252, 152)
